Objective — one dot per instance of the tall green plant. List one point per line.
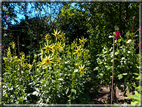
(126, 63)
(58, 72)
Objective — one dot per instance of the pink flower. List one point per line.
(3, 46)
(8, 29)
(140, 44)
(5, 17)
(134, 16)
(140, 30)
(32, 44)
(117, 34)
(133, 40)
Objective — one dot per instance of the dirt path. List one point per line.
(103, 94)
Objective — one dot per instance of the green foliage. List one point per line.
(135, 98)
(94, 21)
(125, 60)
(59, 71)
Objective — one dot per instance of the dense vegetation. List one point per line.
(64, 54)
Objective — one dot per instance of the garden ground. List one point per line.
(103, 94)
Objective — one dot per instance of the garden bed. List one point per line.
(103, 95)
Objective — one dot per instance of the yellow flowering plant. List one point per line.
(58, 67)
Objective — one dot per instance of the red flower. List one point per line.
(5, 17)
(140, 44)
(117, 34)
(3, 46)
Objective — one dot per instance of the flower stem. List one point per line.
(112, 71)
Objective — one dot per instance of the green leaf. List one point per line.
(129, 96)
(124, 73)
(129, 41)
(135, 73)
(73, 90)
(134, 102)
(120, 76)
(111, 36)
(138, 77)
(119, 40)
(136, 93)
(133, 96)
(60, 79)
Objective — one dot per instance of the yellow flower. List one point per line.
(46, 36)
(53, 47)
(47, 47)
(60, 46)
(35, 56)
(73, 44)
(78, 50)
(76, 64)
(12, 44)
(9, 49)
(62, 35)
(55, 65)
(56, 34)
(5, 59)
(81, 69)
(83, 40)
(26, 65)
(15, 57)
(30, 66)
(47, 60)
(8, 54)
(22, 53)
(23, 57)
